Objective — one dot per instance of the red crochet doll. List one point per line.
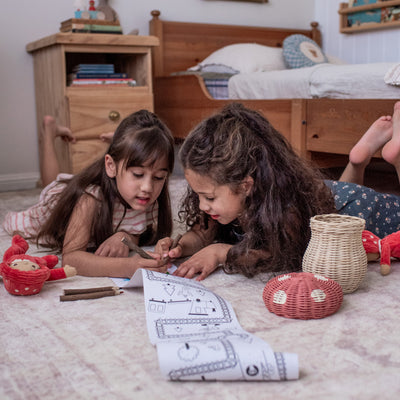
(384, 248)
(24, 275)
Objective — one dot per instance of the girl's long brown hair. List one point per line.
(140, 138)
(287, 191)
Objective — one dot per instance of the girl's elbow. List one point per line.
(66, 259)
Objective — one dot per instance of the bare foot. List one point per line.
(391, 150)
(51, 130)
(107, 137)
(379, 133)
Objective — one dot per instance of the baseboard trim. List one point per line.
(22, 181)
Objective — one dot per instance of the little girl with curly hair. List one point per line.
(251, 197)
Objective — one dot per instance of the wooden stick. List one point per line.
(173, 245)
(176, 241)
(92, 295)
(89, 290)
(134, 247)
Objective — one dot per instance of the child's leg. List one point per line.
(379, 133)
(391, 150)
(49, 168)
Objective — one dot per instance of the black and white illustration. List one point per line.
(199, 338)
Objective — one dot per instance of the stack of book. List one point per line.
(98, 74)
(81, 25)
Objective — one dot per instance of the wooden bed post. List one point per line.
(316, 33)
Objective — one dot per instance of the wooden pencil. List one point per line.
(89, 290)
(173, 245)
(91, 295)
(134, 247)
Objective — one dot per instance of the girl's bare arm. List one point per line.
(88, 264)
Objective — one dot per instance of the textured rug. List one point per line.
(100, 349)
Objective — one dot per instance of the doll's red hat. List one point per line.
(23, 283)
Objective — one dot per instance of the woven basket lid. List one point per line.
(302, 295)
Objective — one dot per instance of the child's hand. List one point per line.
(158, 265)
(113, 247)
(204, 262)
(168, 248)
(162, 247)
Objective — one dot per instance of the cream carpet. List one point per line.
(99, 349)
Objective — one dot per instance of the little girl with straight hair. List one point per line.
(122, 195)
(251, 196)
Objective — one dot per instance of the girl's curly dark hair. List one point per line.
(237, 143)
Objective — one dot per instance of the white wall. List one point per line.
(28, 20)
(363, 47)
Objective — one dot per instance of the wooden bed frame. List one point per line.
(323, 130)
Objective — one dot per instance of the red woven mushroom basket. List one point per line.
(302, 295)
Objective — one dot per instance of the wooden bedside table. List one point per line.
(89, 111)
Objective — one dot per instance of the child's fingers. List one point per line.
(203, 275)
(155, 255)
(187, 271)
(153, 264)
(163, 246)
(161, 268)
(176, 252)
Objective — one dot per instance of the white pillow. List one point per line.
(335, 60)
(245, 58)
(392, 76)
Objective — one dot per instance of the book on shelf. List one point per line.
(71, 21)
(92, 28)
(95, 68)
(96, 75)
(103, 82)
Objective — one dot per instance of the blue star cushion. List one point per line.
(300, 51)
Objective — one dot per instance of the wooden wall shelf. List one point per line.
(345, 10)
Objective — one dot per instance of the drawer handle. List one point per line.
(114, 116)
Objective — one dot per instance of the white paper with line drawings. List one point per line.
(199, 338)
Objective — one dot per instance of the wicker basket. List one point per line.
(336, 250)
(302, 295)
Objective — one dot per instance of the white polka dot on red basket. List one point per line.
(284, 277)
(280, 297)
(318, 295)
